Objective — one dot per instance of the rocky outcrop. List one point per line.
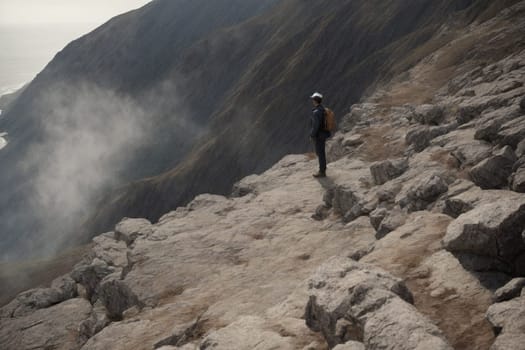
(429, 114)
(494, 171)
(510, 290)
(424, 192)
(393, 223)
(388, 170)
(353, 301)
(420, 137)
(508, 320)
(491, 230)
(62, 288)
(128, 230)
(54, 327)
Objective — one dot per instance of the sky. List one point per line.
(26, 12)
(33, 31)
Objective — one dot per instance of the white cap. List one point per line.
(316, 94)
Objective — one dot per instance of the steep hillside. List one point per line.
(193, 95)
(104, 111)
(414, 241)
(299, 47)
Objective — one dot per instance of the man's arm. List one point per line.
(316, 123)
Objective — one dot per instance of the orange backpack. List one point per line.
(329, 120)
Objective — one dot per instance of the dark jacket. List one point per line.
(317, 123)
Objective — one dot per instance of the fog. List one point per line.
(87, 141)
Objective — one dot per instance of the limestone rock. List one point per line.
(492, 230)
(510, 290)
(471, 153)
(62, 288)
(90, 275)
(517, 180)
(369, 304)
(424, 192)
(377, 216)
(421, 136)
(508, 321)
(348, 203)
(472, 197)
(429, 114)
(117, 297)
(494, 171)
(475, 106)
(55, 327)
(388, 170)
(110, 250)
(512, 132)
(129, 229)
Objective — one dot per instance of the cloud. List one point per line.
(88, 138)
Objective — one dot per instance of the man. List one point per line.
(318, 134)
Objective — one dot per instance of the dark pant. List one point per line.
(320, 142)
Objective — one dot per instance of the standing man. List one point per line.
(318, 133)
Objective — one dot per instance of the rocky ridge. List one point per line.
(416, 240)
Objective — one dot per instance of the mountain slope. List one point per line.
(102, 113)
(301, 47)
(201, 93)
(415, 240)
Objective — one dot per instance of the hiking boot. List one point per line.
(319, 174)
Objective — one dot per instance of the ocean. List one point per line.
(26, 49)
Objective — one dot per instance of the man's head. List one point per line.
(317, 98)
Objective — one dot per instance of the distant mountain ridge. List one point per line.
(192, 95)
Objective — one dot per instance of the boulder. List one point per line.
(353, 301)
(429, 114)
(348, 204)
(424, 192)
(511, 133)
(420, 137)
(511, 290)
(55, 327)
(494, 172)
(110, 250)
(358, 112)
(522, 104)
(377, 216)
(471, 153)
(117, 297)
(508, 321)
(473, 196)
(476, 105)
(62, 288)
(90, 275)
(517, 180)
(352, 140)
(387, 170)
(490, 230)
(129, 229)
